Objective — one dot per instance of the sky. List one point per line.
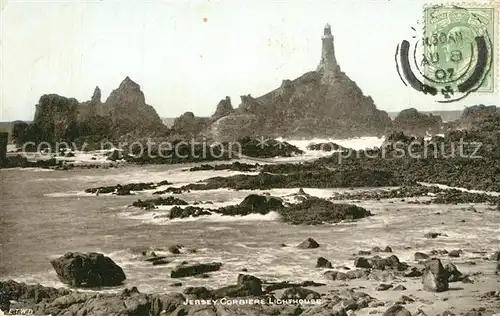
(188, 55)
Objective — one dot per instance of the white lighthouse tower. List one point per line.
(328, 65)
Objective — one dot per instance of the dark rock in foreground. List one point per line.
(247, 285)
(88, 270)
(397, 310)
(435, 278)
(194, 269)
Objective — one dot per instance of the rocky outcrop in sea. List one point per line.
(61, 119)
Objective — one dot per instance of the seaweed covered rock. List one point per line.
(261, 203)
(152, 203)
(140, 186)
(328, 146)
(315, 211)
(312, 177)
(267, 148)
(182, 271)
(189, 211)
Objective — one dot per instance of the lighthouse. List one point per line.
(328, 65)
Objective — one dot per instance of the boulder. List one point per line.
(175, 249)
(454, 253)
(309, 243)
(243, 278)
(383, 287)
(336, 275)
(166, 302)
(200, 292)
(88, 270)
(397, 310)
(420, 256)
(300, 293)
(123, 191)
(261, 203)
(182, 271)
(454, 274)
(378, 263)
(435, 277)
(414, 272)
(247, 285)
(323, 263)
(362, 262)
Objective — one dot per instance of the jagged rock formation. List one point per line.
(189, 125)
(320, 103)
(55, 119)
(59, 119)
(224, 108)
(129, 111)
(412, 122)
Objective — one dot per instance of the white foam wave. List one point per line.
(163, 219)
(68, 194)
(354, 143)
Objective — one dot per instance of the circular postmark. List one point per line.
(454, 56)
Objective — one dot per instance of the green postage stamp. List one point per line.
(459, 48)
